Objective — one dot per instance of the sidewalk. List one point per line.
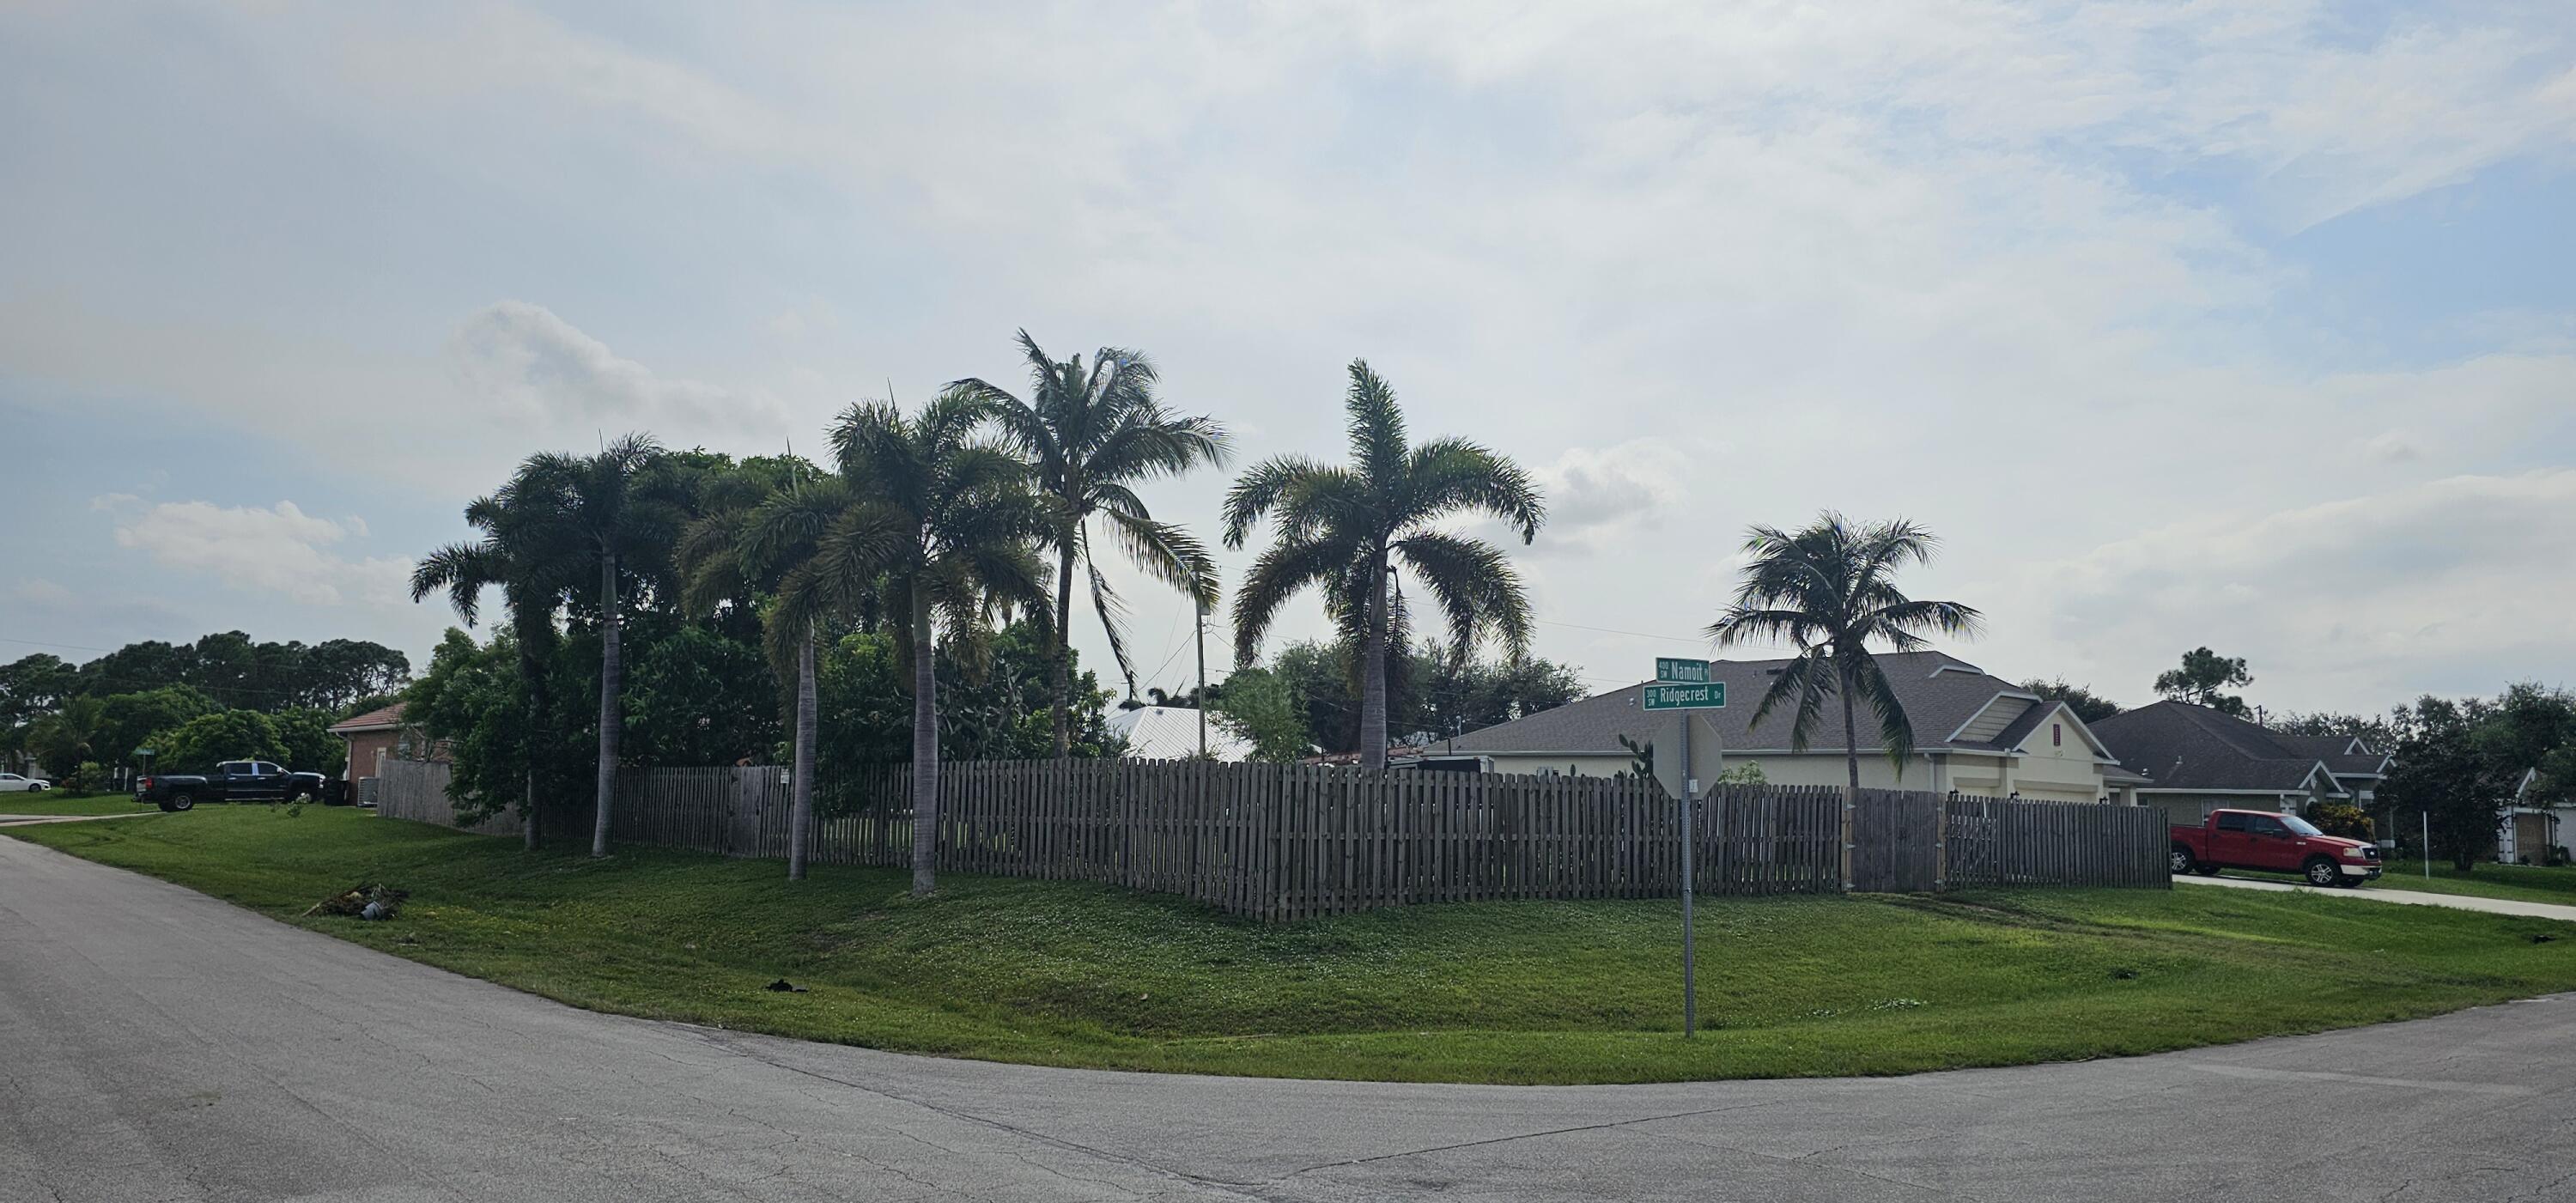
(32, 820)
(2374, 893)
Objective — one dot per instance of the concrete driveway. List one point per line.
(2382, 892)
(156, 1044)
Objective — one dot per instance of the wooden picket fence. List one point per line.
(417, 790)
(1287, 842)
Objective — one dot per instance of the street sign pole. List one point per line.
(1686, 685)
(1690, 840)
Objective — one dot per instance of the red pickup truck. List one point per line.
(2260, 839)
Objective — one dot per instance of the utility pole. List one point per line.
(1201, 607)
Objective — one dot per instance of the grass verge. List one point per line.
(51, 803)
(1067, 974)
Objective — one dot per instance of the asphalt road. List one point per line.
(156, 1044)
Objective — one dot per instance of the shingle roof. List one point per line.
(2194, 747)
(2333, 749)
(1940, 693)
(373, 720)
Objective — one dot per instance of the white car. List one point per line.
(13, 783)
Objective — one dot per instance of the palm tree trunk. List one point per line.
(1063, 653)
(1373, 671)
(925, 748)
(800, 810)
(609, 673)
(532, 682)
(1851, 739)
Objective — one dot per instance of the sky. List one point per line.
(2248, 324)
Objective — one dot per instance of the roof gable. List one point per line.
(382, 719)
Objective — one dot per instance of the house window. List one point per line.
(2057, 735)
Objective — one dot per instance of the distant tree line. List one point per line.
(223, 697)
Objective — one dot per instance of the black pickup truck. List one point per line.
(232, 781)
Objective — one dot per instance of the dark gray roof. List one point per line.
(2194, 747)
(2335, 751)
(1940, 694)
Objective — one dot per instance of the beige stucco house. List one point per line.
(1974, 733)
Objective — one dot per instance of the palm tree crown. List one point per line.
(941, 526)
(605, 513)
(1339, 528)
(515, 554)
(1829, 590)
(1090, 435)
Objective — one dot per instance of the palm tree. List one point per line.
(1337, 527)
(751, 536)
(1830, 589)
(1091, 435)
(943, 528)
(512, 556)
(601, 513)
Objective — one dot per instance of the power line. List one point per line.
(1549, 622)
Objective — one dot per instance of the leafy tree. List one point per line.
(130, 719)
(1830, 590)
(1461, 695)
(940, 527)
(201, 743)
(2203, 675)
(2441, 772)
(149, 664)
(473, 697)
(1090, 435)
(33, 685)
(1262, 708)
(610, 515)
(2533, 727)
(337, 672)
(61, 739)
(2087, 705)
(699, 698)
(2372, 730)
(1341, 529)
(308, 746)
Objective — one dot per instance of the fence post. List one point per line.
(1851, 809)
(1940, 843)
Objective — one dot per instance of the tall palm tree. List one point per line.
(752, 535)
(603, 514)
(1340, 528)
(943, 528)
(1091, 435)
(1829, 590)
(512, 555)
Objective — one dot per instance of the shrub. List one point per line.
(2339, 818)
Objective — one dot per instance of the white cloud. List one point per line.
(2457, 583)
(538, 365)
(280, 550)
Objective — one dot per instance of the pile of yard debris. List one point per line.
(366, 901)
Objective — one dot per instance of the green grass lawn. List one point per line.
(2524, 883)
(53, 803)
(1057, 973)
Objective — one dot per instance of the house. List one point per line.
(2532, 833)
(2201, 760)
(376, 737)
(1172, 733)
(1974, 733)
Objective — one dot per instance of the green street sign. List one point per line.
(1709, 696)
(1687, 672)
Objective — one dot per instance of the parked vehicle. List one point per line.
(2260, 839)
(12, 783)
(232, 781)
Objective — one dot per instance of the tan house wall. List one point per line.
(2189, 809)
(369, 749)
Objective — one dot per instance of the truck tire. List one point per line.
(2182, 861)
(179, 801)
(2322, 872)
